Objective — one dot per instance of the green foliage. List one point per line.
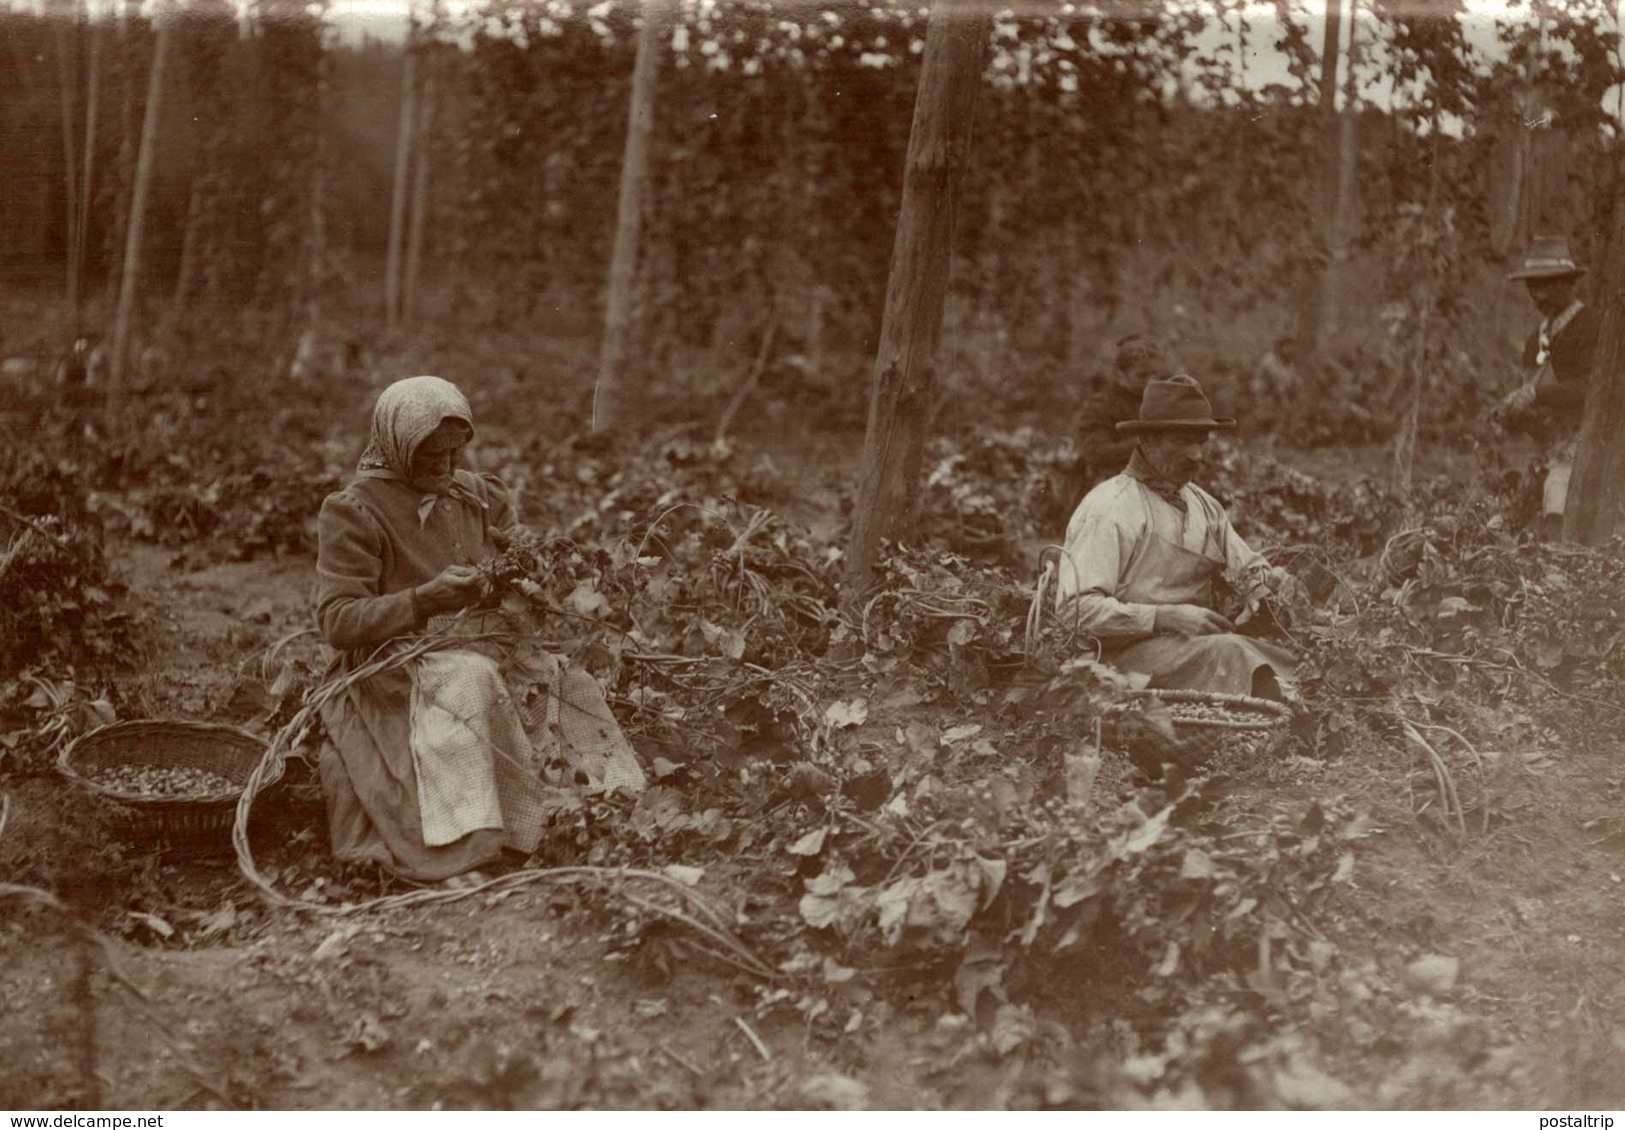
(62, 601)
(1477, 614)
(1121, 177)
(63, 605)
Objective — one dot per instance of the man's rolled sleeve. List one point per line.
(1241, 558)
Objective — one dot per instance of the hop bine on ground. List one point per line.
(525, 565)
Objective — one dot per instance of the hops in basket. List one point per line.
(167, 781)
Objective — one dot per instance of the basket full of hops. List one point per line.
(1190, 728)
(172, 783)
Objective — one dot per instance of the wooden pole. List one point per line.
(420, 192)
(403, 169)
(1348, 133)
(316, 260)
(916, 291)
(67, 68)
(1334, 152)
(87, 183)
(609, 395)
(1594, 510)
(133, 231)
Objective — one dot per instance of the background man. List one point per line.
(1557, 358)
(1103, 451)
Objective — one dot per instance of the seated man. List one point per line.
(1145, 548)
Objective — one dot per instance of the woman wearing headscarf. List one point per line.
(434, 768)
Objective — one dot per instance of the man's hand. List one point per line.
(1190, 620)
(1270, 583)
(456, 587)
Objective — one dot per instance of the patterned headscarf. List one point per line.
(406, 414)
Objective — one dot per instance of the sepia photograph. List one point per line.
(885, 555)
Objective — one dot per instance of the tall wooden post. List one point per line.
(420, 191)
(1594, 511)
(395, 255)
(68, 31)
(1321, 305)
(905, 366)
(87, 183)
(609, 395)
(133, 231)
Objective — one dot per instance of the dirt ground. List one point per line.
(1484, 971)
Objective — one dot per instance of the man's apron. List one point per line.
(1224, 663)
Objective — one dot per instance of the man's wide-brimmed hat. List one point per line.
(1175, 404)
(1548, 258)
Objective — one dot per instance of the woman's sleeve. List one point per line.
(351, 611)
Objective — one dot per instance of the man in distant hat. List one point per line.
(1102, 450)
(1557, 358)
(1138, 359)
(1146, 548)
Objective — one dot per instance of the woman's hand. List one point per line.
(456, 587)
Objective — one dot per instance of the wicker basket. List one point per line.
(1238, 725)
(193, 822)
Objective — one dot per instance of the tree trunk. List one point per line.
(138, 206)
(420, 193)
(905, 365)
(130, 33)
(397, 200)
(1348, 133)
(87, 183)
(68, 83)
(306, 360)
(609, 397)
(1594, 510)
(1321, 315)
